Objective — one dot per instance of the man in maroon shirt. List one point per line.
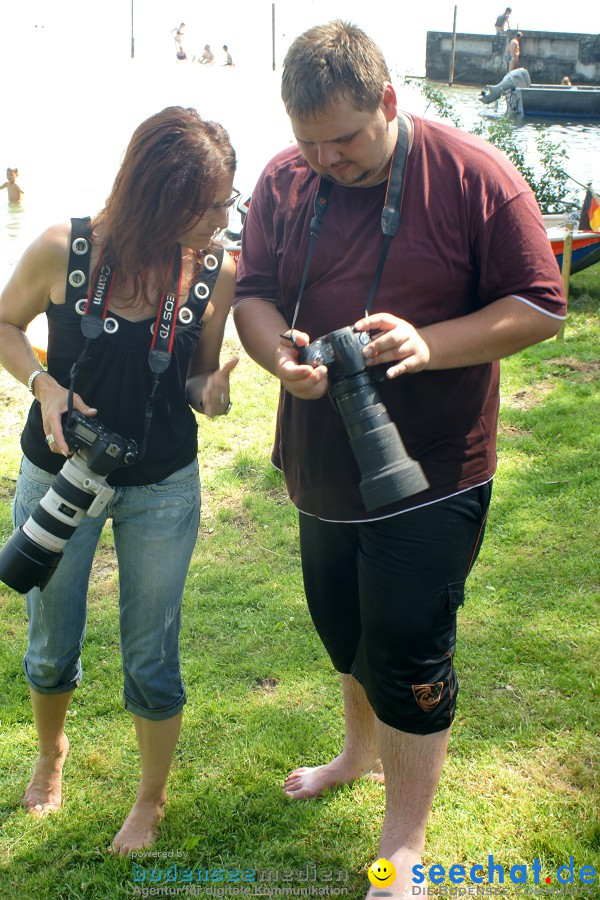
(469, 278)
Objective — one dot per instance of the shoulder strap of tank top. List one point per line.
(202, 288)
(78, 266)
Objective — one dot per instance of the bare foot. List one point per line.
(43, 794)
(140, 828)
(312, 781)
(401, 888)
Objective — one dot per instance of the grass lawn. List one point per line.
(521, 779)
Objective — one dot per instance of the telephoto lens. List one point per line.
(31, 555)
(388, 472)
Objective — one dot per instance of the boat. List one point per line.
(586, 244)
(559, 101)
(556, 100)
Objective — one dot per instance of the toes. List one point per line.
(293, 788)
(298, 772)
(119, 849)
(298, 794)
(39, 810)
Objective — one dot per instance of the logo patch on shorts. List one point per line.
(428, 695)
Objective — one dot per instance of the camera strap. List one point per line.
(95, 322)
(93, 308)
(390, 216)
(320, 208)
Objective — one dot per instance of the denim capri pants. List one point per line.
(155, 528)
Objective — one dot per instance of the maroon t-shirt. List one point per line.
(471, 232)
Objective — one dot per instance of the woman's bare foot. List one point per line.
(312, 781)
(140, 828)
(43, 794)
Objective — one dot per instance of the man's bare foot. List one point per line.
(43, 794)
(312, 781)
(140, 828)
(403, 861)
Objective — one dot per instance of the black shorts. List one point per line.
(383, 597)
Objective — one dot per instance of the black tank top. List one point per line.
(117, 382)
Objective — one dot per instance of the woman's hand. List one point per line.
(214, 396)
(398, 342)
(53, 401)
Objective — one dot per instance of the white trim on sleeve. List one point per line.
(539, 308)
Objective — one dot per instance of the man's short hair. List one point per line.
(330, 62)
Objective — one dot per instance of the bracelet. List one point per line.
(32, 378)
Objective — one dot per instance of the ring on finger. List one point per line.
(50, 439)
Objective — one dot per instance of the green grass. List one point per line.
(521, 777)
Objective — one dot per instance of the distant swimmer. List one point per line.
(14, 191)
(208, 56)
(228, 58)
(178, 35)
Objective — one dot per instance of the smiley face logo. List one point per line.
(381, 873)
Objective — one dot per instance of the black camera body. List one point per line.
(32, 553)
(388, 472)
(104, 450)
(340, 351)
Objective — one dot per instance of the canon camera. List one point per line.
(32, 553)
(387, 471)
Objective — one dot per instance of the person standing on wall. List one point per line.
(514, 52)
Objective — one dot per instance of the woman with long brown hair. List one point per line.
(136, 301)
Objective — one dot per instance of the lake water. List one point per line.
(68, 151)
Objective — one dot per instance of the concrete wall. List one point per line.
(482, 58)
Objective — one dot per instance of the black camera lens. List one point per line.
(388, 473)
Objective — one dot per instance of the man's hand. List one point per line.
(300, 380)
(397, 342)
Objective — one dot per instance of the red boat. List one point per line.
(586, 244)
